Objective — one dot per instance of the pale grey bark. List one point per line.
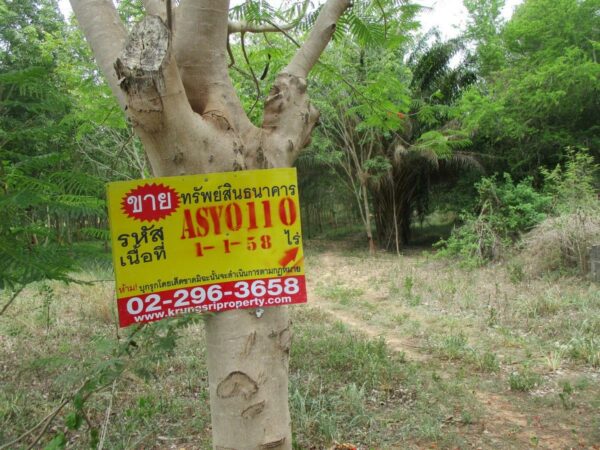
(176, 91)
(106, 34)
(157, 8)
(320, 35)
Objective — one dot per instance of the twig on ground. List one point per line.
(12, 299)
(48, 422)
(45, 420)
(107, 418)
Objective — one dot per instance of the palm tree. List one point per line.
(428, 148)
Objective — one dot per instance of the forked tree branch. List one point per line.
(200, 45)
(159, 108)
(289, 117)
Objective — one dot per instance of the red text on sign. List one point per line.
(218, 219)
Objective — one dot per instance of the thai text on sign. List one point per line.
(206, 243)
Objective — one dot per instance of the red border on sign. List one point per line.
(213, 297)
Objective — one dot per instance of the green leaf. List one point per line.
(78, 401)
(73, 420)
(57, 443)
(94, 438)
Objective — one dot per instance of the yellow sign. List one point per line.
(210, 242)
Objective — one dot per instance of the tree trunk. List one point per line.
(393, 203)
(177, 93)
(367, 212)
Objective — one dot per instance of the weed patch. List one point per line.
(523, 380)
(340, 293)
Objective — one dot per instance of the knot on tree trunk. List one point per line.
(237, 384)
(140, 67)
(289, 119)
(284, 95)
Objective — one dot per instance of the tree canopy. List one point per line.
(505, 96)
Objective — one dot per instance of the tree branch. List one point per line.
(45, 421)
(200, 46)
(307, 56)
(47, 424)
(156, 8)
(107, 416)
(148, 75)
(289, 117)
(158, 106)
(243, 26)
(256, 83)
(106, 34)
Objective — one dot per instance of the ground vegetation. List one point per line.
(487, 144)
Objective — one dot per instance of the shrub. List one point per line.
(562, 222)
(505, 210)
(574, 186)
(524, 381)
(563, 241)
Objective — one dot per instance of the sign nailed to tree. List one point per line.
(206, 243)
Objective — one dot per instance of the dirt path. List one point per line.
(331, 262)
(503, 426)
(397, 344)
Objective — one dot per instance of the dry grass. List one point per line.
(457, 343)
(562, 242)
(344, 386)
(504, 334)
